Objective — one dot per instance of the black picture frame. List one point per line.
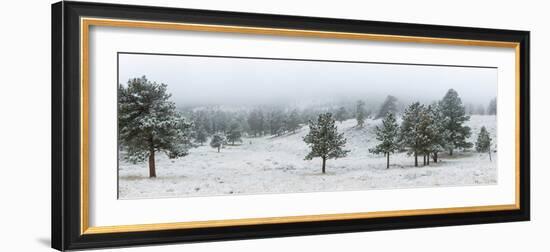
(66, 114)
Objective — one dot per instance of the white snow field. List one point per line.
(277, 165)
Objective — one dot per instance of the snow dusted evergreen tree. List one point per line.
(324, 140)
(234, 134)
(293, 121)
(437, 141)
(492, 108)
(455, 117)
(427, 131)
(148, 123)
(217, 141)
(388, 135)
(388, 106)
(411, 135)
(341, 114)
(483, 143)
(360, 113)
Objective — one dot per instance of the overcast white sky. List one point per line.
(229, 81)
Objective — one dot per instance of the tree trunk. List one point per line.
(490, 159)
(219, 147)
(152, 171)
(415, 159)
(450, 152)
(435, 157)
(428, 159)
(324, 162)
(424, 160)
(388, 160)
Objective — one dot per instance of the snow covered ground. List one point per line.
(277, 165)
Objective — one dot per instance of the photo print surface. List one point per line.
(199, 125)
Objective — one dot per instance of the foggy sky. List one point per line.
(197, 81)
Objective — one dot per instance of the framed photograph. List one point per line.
(181, 125)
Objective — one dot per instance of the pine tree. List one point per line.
(455, 116)
(437, 140)
(492, 108)
(148, 123)
(217, 141)
(388, 106)
(360, 113)
(388, 136)
(411, 136)
(234, 134)
(341, 114)
(483, 143)
(431, 133)
(293, 121)
(324, 140)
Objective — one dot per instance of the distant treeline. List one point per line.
(276, 120)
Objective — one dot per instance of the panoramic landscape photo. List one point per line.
(191, 125)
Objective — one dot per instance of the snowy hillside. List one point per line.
(277, 165)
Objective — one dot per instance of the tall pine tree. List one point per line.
(411, 136)
(148, 123)
(324, 140)
(455, 117)
(430, 132)
(388, 135)
(483, 143)
(439, 133)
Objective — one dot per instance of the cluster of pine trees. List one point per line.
(429, 130)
